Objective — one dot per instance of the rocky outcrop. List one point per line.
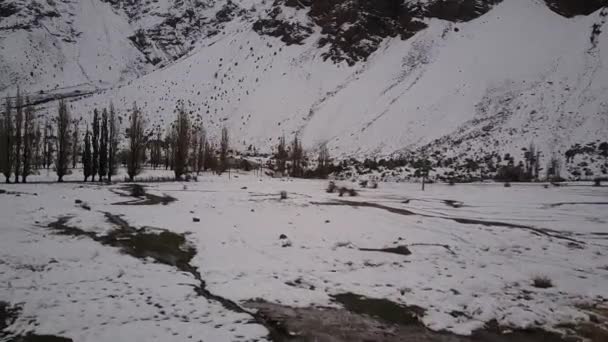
(571, 8)
(353, 29)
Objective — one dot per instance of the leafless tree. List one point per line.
(281, 155)
(323, 162)
(18, 134)
(182, 143)
(95, 145)
(63, 140)
(297, 155)
(74, 143)
(6, 140)
(200, 158)
(86, 156)
(194, 140)
(103, 145)
(28, 137)
(224, 147)
(113, 141)
(37, 141)
(137, 142)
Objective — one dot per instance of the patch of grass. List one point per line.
(380, 308)
(542, 282)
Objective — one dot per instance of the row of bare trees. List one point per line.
(99, 157)
(294, 154)
(187, 149)
(20, 138)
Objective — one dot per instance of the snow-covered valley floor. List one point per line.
(475, 252)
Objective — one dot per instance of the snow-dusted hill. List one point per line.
(366, 78)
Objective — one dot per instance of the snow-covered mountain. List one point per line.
(462, 77)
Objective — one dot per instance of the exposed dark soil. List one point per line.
(164, 247)
(453, 204)
(40, 338)
(16, 193)
(138, 191)
(401, 250)
(553, 205)
(371, 319)
(380, 308)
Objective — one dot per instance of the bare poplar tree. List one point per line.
(37, 142)
(167, 147)
(113, 141)
(103, 145)
(6, 141)
(86, 156)
(200, 154)
(296, 157)
(282, 155)
(182, 143)
(74, 143)
(95, 145)
(63, 140)
(210, 159)
(28, 137)
(18, 134)
(224, 146)
(48, 144)
(193, 158)
(323, 162)
(137, 143)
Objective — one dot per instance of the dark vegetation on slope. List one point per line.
(571, 8)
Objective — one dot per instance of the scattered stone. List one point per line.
(78, 201)
(196, 219)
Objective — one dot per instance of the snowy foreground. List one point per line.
(474, 251)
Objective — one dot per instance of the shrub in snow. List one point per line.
(363, 183)
(373, 185)
(344, 190)
(283, 194)
(331, 187)
(597, 182)
(507, 185)
(542, 282)
(284, 241)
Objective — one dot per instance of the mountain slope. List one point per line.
(462, 77)
(53, 45)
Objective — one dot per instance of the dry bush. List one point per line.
(542, 282)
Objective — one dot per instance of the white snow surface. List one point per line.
(75, 287)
